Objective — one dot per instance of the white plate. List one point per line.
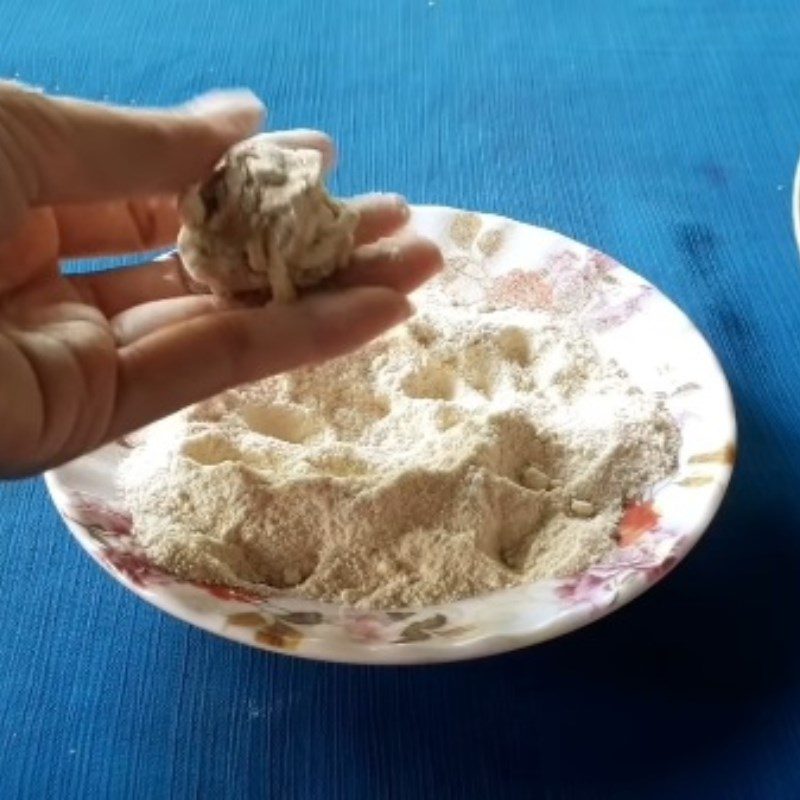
(508, 264)
(796, 205)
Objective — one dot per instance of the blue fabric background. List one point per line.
(664, 133)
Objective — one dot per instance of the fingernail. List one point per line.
(390, 199)
(239, 108)
(409, 309)
(402, 206)
(386, 250)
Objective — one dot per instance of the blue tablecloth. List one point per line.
(664, 133)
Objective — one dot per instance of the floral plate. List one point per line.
(490, 261)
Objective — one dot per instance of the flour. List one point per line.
(459, 454)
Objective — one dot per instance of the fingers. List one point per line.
(60, 150)
(402, 263)
(115, 290)
(145, 223)
(31, 249)
(92, 229)
(184, 363)
(142, 320)
(379, 215)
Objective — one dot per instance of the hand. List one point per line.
(85, 359)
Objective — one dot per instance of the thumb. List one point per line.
(55, 150)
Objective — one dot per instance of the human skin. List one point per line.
(85, 359)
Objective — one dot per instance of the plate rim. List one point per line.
(796, 205)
